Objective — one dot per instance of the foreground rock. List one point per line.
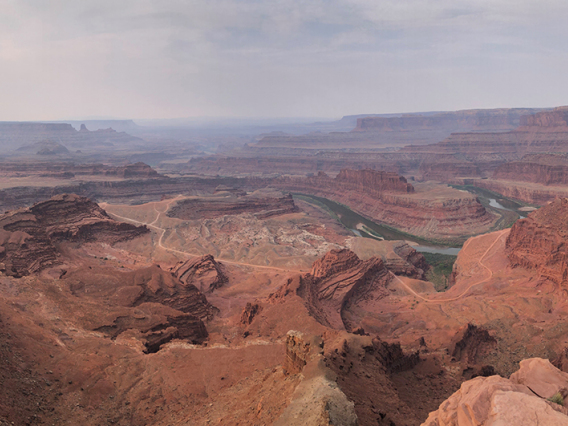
(521, 400)
(29, 237)
(317, 400)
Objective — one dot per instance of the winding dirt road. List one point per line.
(500, 234)
(162, 231)
(184, 253)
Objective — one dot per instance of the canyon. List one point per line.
(428, 211)
(200, 314)
(226, 289)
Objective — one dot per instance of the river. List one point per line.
(353, 221)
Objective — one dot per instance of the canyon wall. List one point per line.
(546, 169)
(466, 120)
(539, 242)
(555, 120)
(434, 213)
(294, 163)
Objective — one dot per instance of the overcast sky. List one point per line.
(287, 58)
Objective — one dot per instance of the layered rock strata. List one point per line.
(204, 272)
(262, 204)
(69, 169)
(337, 281)
(546, 169)
(28, 237)
(466, 120)
(539, 242)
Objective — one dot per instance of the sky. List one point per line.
(63, 59)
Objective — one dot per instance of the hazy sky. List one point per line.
(317, 58)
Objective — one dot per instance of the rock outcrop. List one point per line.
(152, 285)
(521, 400)
(539, 242)
(383, 381)
(471, 343)
(204, 272)
(414, 264)
(317, 399)
(373, 183)
(337, 281)
(250, 312)
(28, 237)
(297, 352)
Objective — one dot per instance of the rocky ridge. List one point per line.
(29, 236)
(337, 281)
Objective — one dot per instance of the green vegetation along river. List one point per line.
(364, 227)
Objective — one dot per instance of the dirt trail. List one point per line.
(163, 231)
(480, 261)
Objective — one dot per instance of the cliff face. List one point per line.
(539, 241)
(555, 120)
(546, 169)
(28, 237)
(467, 120)
(372, 181)
(483, 153)
(338, 280)
(446, 169)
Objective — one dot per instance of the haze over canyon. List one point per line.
(404, 269)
